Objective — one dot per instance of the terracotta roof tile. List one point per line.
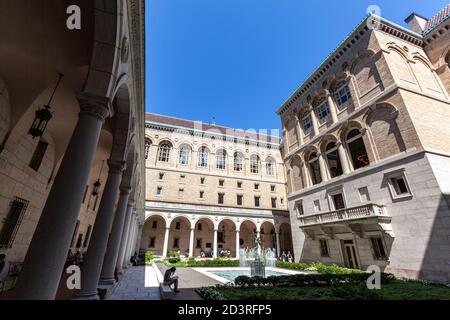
(437, 19)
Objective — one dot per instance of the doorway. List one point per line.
(350, 254)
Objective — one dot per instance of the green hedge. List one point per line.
(317, 266)
(301, 280)
(210, 293)
(212, 263)
(149, 256)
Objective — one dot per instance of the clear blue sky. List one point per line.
(239, 60)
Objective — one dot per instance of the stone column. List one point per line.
(215, 244)
(46, 256)
(112, 251)
(277, 235)
(166, 242)
(299, 130)
(332, 106)
(92, 266)
(306, 174)
(191, 243)
(315, 122)
(323, 167)
(131, 241)
(343, 157)
(123, 243)
(238, 247)
(126, 258)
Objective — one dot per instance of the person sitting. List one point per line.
(202, 254)
(290, 258)
(170, 278)
(283, 256)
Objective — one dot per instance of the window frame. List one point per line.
(184, 155)
(307, 123)
(380, 245)
(203, 155)
(343, 90)
(255, 164)
(164, 151)
(398, 174)
(320, 108)
(326, 252)
(221, 160)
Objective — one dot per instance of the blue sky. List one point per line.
(238, 60)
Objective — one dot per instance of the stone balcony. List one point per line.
(355, 219)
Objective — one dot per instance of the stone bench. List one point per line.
(166, 291)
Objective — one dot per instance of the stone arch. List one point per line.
(399, 58)
(267, 234)
(247, 227)
(425, 75)
(122, 123)
(226, 238)
(285, 235)
(179, 237)
(204, 236)
(365, 72)
(384, 129)
(153, 232)
(184, 153)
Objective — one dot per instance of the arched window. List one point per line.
(333, 160)
(342, 94)
(447, 60)
(203, 153)
(148, 143)
(254, 164)
(270, 167)
(323, 111)
(164, 152)
(238, 161)
(306, 123)
(357, 149)
(314, 168)
(221, 159)
(183, 154)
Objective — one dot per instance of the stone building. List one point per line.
(212, 188)
(367, 151)
(80, 183)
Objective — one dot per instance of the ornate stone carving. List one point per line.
(125, 50)
(116, 166)
(94, 105)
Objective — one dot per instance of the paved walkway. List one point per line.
(138, 283)
(189, 280)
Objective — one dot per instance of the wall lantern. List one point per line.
(43, 115)
(97, 183)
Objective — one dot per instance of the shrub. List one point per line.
(355, 291)
(173, 257)
(210, 293)
(317, 266)
(149, 256)
(213, 263)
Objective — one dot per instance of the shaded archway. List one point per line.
(203, 237)
(153, 235)
(179, 230)
(267, 235)
(247, 231)
(226, 237)
(285, 236)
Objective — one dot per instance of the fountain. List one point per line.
(257, 258)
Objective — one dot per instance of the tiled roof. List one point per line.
(189, 124)
(437, 19)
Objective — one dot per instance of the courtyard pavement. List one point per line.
(138, 283)
(189, 280)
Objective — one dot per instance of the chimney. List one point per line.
(416, 22)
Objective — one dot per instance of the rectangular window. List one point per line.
(176, 243)
(161, 176)
(239, 198)
(158, 191)
(38, 155)
(221, 182)
(256, 186)
(202, 194)
(338, 201)
(399, 185)
(316, 206)
(79, 241)
(202, 180)
(12, 222)
(342, 95)
(324, 252)
(199, 227)
(198, 244)
(323, 112)
(257, 201)
(180, 193)
(307, 122)
(274, 202)
(88, 235)
(239, 184)
(281, 200)
(220, 198)
(154, 224)
(77, 226)
(152, 242)
(272, 187)
(299, 208)
(178, 225)
(378, 248)
(182, 177)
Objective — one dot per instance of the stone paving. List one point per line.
(138, 283)
(189, 280)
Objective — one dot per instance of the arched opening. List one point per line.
(153, 235)
(203, 154)
(226, 238)
(221, 159)
(238, 161)
(322, 110)
(270, 166)
(333, 160)
(179, 232)
(267, 235)
(204, 238)
(314, 168)
(286, 238)
(357, 149)
(164, 151)
(147, 145)
(342, 94)
(184, 154)
(296, 172)
(255, 163)
(247, 233)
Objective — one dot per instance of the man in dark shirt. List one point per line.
(170, 278)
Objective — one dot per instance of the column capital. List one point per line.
(93, 105)
(116, 166)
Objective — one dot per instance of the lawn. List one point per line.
(396, 290)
